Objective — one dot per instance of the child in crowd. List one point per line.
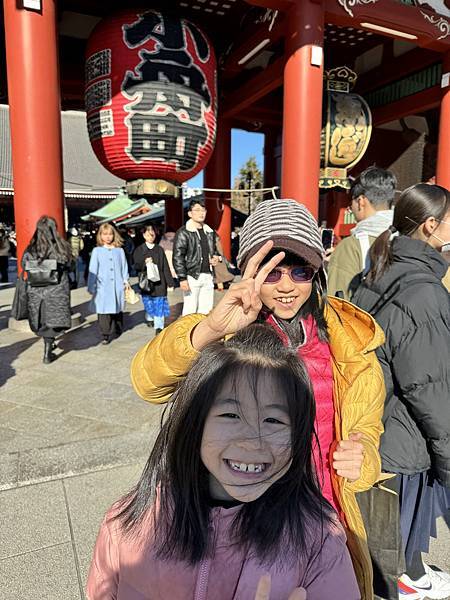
(284, 285)
(108, 277)
(155, 299)
(229, 492)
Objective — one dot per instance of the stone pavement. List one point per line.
(73, 438)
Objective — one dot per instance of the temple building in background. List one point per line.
(334, 85)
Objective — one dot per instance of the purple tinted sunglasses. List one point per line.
(297, 274)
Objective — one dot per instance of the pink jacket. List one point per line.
(316, 356)
(127, 569)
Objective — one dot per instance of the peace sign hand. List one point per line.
(241, 304)
(263, 590)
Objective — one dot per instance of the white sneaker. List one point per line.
(431, 585)
(442, 574)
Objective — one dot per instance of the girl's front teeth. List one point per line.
(247, 468)
(286, 300)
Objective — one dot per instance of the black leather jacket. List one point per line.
(187, 251)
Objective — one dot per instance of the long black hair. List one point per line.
(416, 204)
(47, 243)
(274, 526)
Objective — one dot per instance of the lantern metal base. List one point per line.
(152, 187)
(331, 177)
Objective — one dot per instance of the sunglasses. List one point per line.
(297, 274)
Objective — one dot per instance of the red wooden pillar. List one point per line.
(270, 166)
(173, 218)
(35, 116)
(302, 106)
(218, 175)
(443, 158)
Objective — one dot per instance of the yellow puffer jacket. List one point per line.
(358, 392)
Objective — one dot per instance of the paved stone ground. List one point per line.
(73, 438)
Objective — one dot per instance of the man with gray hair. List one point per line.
(372, 195)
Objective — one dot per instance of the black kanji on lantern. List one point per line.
(170, 62)
(165, 137)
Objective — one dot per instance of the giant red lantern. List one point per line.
(151, 96)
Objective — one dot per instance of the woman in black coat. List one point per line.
(155, 300)
(48, 303)
(403, 290)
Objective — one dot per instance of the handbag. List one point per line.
(153, 272)
(130, 295)
(42, 273)
(19, 309)
(144, 283)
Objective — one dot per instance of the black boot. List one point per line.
(48, 354)
(106, 340)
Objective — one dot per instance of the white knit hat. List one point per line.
(288, 224)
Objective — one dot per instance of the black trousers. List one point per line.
(110, 324)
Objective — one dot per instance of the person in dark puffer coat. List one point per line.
(49, 306)
(404, 292)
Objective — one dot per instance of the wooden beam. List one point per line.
(245, 43)
(411, 105)
(257, 87)
(414, 60)
(390, 14)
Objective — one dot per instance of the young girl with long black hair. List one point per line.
(229, 492)
(49, 303)
(284, 285)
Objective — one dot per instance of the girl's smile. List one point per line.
(246, 444)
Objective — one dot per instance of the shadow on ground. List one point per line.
(8, 354)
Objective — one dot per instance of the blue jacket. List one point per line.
(108, 271)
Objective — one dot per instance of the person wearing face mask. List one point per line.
(284, 286)
(403, 290)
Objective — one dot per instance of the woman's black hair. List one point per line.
(47, 243)
(416, 204)
(277, 525)
(314, 306)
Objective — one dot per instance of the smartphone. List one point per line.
(327, 238)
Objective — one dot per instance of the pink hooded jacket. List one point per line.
(127, 569)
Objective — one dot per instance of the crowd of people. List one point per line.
(305, 452)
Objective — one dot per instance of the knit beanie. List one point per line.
(289, 225)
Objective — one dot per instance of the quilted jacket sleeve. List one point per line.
(421, 366)
(366, 417)
(162, 364)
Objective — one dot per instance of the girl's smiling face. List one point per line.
(246, 444)
(285, 297)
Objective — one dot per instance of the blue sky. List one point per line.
(243, 145)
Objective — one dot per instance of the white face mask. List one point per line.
(445, 244)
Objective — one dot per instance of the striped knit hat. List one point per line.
(288, 224)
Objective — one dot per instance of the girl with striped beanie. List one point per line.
(284, 286)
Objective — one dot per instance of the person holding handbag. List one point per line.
(47, 261)
(107, 281)
(153, 285)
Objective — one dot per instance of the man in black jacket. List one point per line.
(194, 255)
